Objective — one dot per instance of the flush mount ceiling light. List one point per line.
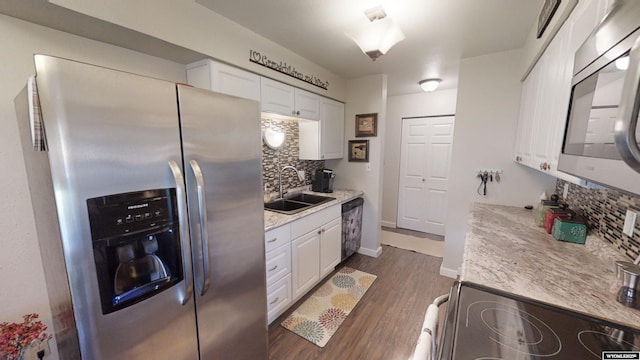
(377, 36)
(429, 85)
(622, 63)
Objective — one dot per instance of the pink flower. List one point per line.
(15, 338)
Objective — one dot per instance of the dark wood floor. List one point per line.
(386, 322)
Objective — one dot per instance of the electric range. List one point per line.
(484, 323)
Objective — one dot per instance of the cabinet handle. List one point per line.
(274, 301)
(273, 240)
(273, 268)
(323, 230)
(319, 232)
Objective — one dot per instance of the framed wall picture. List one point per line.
(546, 14)
(359, 150)
(366, 125)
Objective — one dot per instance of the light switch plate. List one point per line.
(629, 223)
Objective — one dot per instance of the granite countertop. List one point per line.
(506, 251)
(273, 220)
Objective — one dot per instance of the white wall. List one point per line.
(365, 95)
(487, 109)
(193, 26)
(442, 102)
(21, 274)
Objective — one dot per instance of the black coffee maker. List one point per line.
(322, 180)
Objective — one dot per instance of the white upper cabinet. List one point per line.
(546, 91)
(307, 105)
(332, 124)
(277, 98)
(286, 100)
(323, 139)
(223, 78)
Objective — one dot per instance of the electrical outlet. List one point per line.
(31, 353)
(629, 223)
(301, 175)
(565, 191)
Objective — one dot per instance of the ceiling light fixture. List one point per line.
(429, 85)
(622, 63)
(377, 36)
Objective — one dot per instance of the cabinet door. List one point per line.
(307, 105)
(309, 134)
(547, 68)
(223, 78)
(233, 81)
(330, 246)
(526, 118)
(277, 98)
(332, 129)
(305, 258)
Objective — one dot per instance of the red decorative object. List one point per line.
(16, 338)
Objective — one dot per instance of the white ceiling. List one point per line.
(438, 33)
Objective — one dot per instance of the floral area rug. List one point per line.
(320, 316)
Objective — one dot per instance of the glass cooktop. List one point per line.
(484, 323)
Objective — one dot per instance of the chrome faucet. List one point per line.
(291, 168)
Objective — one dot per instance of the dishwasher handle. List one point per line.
(350, 205)
(426, 345)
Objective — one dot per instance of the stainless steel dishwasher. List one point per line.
(351, 226)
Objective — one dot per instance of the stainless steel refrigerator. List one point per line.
(148, 207)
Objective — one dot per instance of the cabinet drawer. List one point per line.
(278, 264)
(277, 237)
(278, 297)
(313, 221)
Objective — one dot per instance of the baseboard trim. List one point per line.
(369, 252)
(448, 272)
(390, 224)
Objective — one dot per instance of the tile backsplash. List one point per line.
(605, 211)
(273, 160)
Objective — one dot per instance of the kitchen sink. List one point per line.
(296, 203)
(310, 199)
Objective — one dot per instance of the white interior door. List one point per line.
(424, 173)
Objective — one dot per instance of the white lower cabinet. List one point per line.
(278, 270)
(306, 263)
(278, 298)
(315, 248)
(299, 255)
(330, 246)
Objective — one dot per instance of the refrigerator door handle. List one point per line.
(204, 238)
(184, 230)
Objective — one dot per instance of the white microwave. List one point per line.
(601, 135)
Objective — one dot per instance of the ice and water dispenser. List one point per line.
(136, 245)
